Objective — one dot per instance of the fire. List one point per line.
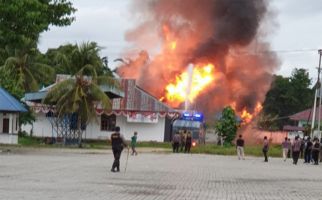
(176, 93)
(173, 45)
(247, 117)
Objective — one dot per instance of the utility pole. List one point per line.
(317, 92)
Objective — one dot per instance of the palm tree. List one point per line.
(24, 69)
(82, 93)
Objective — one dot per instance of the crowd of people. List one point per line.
(182, 140)
(299, 148)
(304, 148)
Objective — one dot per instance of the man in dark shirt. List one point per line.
(308, 151)
(118, 143)
(240, 147)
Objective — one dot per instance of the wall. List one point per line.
(12, 136)
(146, 131)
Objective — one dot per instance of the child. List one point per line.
(133, 143)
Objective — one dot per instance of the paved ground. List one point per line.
(78, 174)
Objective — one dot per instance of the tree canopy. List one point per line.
(227, 125)
(26, 19)
(288, 95)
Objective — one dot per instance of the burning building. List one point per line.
(224, 41)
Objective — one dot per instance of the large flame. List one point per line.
(176, 93)
(170, 35)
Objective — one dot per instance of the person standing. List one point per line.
(133, 143)
(118, 143)
(175, 142)
(296, 149)
(316, 151)
(302, 147)
(240, 147)
(188, 142)
(320, 149)
(183, 136)
(285, 148)
(289, 147)
(308, 151)
(265, 148)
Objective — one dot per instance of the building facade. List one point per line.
(9, 117)
(132, 110)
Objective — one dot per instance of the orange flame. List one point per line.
(173, 45)
(247, 117)
(176, 93)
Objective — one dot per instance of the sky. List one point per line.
(295, 38)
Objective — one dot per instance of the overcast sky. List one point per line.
(296, 39)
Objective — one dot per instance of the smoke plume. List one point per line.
(230, 34)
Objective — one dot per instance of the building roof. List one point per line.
(138, 100)
(9, 104)
(112, 92)
(306, 115)
(292, 128)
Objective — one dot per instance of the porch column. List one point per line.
(10, 123)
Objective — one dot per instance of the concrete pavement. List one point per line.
(84, 174)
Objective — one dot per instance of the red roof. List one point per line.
(306, 115)
(292, 128)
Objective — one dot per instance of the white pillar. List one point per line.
(10, 123)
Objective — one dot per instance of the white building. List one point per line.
(9, 118)
(133, 110)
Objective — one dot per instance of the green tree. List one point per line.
(66, 59)
(24, 71)
(227, 125)
(26, 19)
(81, 93)
(288, 95)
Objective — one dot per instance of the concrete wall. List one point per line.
(146, 131)
(12, 136)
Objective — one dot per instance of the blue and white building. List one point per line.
(9, 117)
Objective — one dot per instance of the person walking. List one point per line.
(289, 147)
(188, 142)
(265, 148)
(118, 143)
(316, 151)
(240, 147)
(285, 148)
(133, 144)
(296, 149)
(175, 142)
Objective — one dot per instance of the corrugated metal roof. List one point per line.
(9, 103)
(136, 99)
(306, 115)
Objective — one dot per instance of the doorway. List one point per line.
(5, 128)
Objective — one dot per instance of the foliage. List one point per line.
(81, 93)
(288, 96)
(227, 125)
(26, 19)
(24, 70)
(66, 59)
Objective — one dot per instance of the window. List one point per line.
(108, 122)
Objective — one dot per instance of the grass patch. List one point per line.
(255, 150)
(274, 151)
(30, 141)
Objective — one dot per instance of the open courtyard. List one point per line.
(85, 174)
